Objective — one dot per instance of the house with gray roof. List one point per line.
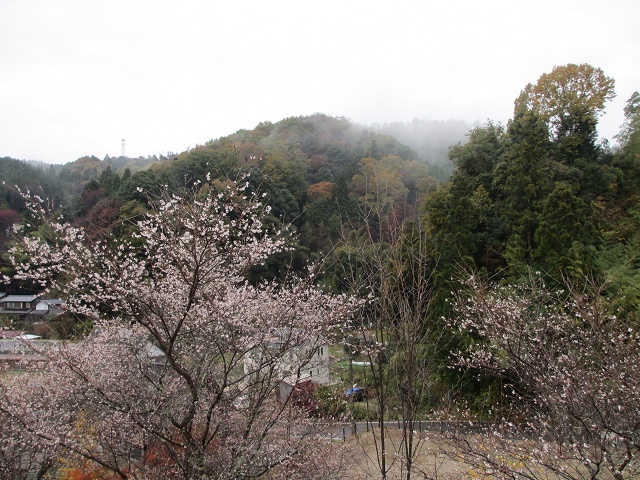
(30, 305)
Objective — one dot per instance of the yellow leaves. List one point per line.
(321, 190)
(379, 180)
(83, 425)
(77, 469)
(85, 471)
(568, 90)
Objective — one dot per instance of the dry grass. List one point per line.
(429, 462)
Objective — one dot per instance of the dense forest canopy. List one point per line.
(310, 167)
(540, 192)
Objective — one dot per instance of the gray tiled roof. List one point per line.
(19, 298)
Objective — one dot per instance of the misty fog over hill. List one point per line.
(431, 139)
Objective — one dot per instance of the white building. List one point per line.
(288, 362)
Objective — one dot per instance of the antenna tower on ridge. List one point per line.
(123, 147)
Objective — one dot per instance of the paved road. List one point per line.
(344, 430)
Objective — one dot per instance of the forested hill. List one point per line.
(311, 168)
(539, 192)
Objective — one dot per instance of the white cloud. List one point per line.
(79, 76)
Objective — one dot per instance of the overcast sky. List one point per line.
(78, 76)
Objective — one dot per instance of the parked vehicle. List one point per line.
(359, 393)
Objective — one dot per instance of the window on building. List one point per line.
(15, 305)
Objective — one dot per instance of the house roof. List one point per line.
(27, 336)
(152, 351)
(11, 333)
(19, 298)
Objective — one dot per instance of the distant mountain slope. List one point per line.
(334, 145)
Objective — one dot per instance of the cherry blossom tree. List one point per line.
(22, 454)
(162, 388)
(572, 372)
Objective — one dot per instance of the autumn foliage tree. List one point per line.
(567, 96)
(162, 387)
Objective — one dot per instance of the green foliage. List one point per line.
(522, 179)
(329, 402)
(476, 158)
(109, 180)
(379, 184)
(629, 136)
(628, 158)
(535, 195)
(26, 176)
(195, 164)
(619, 258)
(420, 391)
(139, 187)
(463, 218)
(564, 232)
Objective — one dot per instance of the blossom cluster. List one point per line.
(571, 367)
(161, 387)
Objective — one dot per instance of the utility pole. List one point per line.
(122, 147)
(353, 419)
